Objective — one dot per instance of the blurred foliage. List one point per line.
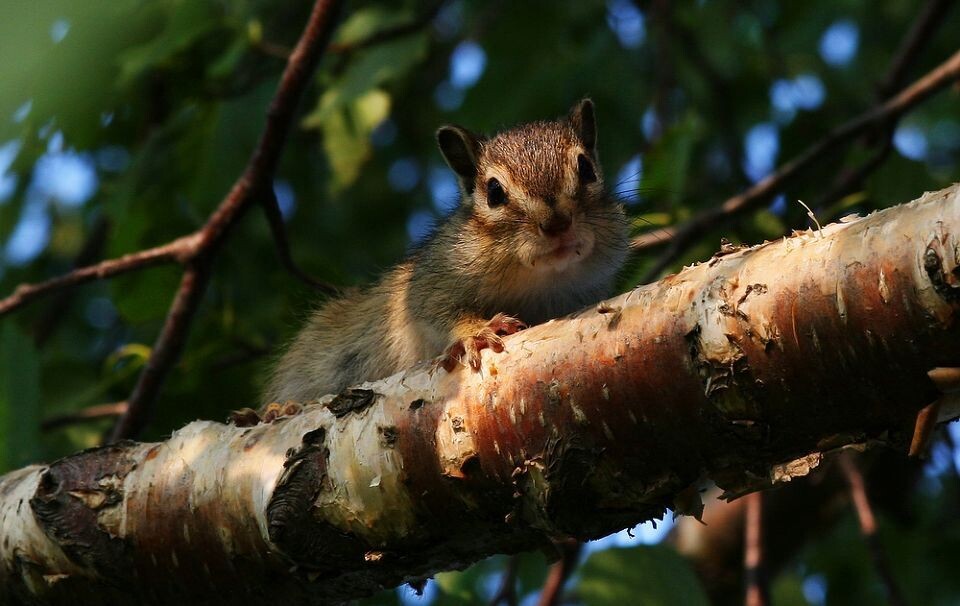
(161, 103)
(652, 574)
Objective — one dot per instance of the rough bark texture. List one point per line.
(742, 370)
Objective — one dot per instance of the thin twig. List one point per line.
(868, 528)
(758, 590)
(931, 16)
(681, 237)
(166, 350)
(271, 209)
(256, 179)
(172, 252)
(507, 593)
(560, 571)
(91, 413)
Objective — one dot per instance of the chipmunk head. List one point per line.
(538, 188)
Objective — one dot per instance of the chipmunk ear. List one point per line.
(584, 124)
(460, 149)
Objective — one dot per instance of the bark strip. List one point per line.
(744, 370)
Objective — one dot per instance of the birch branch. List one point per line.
(744, 370)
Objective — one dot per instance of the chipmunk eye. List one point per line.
(585, 169)
(496, 196)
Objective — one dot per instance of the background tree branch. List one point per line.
(679, 239)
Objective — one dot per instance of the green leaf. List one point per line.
(228, 61)
(364, 23)
(145, 296)
(667, 166)
(768, 224)
(457, 587)
(787, 590)
(355, 103)
(189, 21)
(347, 135)
(387, 597)
(650, 575)
(372, 69)
(19, 399)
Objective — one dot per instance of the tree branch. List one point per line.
(271, 210)
(725, 372)
(681, 237)
(868, 528)
(507, 593)
(91, 413)
(932, 16)
(172, 252)
(754, 568)
(560, 571)
(255, 182)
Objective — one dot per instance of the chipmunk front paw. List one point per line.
(466, 349)
(247, 417)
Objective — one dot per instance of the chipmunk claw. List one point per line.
(466, 350)
(247, 417)
(502, 324)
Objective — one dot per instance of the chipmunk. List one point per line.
(535, 236)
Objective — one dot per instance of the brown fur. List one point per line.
(480, 262)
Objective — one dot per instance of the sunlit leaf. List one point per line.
(347, 134)
(371, 69)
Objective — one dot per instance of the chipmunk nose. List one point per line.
(557, 224)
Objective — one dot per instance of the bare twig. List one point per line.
(507, 593)
(868, 527)
(255, 182)
(758, 591)
(172, 252)
(91, 413)
(931, 16)
(559, 572)
(166, 351)
(268, 202)
(681, 237)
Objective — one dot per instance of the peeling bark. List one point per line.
(743, 370)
